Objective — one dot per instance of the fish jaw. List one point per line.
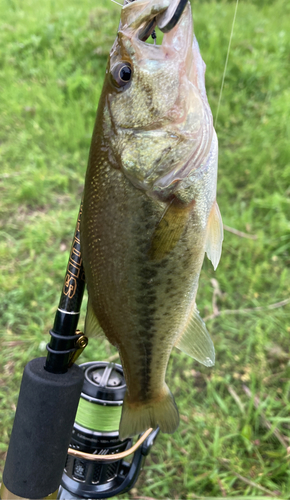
(136, 14)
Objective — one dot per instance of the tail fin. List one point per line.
(139, 417)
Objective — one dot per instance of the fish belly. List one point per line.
(141, 303)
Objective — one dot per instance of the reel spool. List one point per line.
(95, 432)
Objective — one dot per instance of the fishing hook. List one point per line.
(165, 21)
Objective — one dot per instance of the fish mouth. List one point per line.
(143, 16)
(166, 20)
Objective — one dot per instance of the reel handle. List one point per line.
(127, 476)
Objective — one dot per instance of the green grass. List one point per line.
(52, 62)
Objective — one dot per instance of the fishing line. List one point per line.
(98, 417)
(226, 63)
(100, 404)
(114, 1)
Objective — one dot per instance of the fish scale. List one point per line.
(149, 214)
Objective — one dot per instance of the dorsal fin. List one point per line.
(215, 236)
(195, 340)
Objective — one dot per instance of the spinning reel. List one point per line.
(95, 466)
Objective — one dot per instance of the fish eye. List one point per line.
(122, 74)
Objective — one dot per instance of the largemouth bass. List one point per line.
(150, 211)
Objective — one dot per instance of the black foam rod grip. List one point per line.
(42, 430)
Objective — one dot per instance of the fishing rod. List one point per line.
(65, 438)
(50, 444)
(65, 442)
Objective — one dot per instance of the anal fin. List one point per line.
(215, 236)
(195, 340)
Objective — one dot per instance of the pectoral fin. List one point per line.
(195, 340)
(169, 230)
(92, 326)
(215, 236)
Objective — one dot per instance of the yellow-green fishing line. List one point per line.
(98, 417)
